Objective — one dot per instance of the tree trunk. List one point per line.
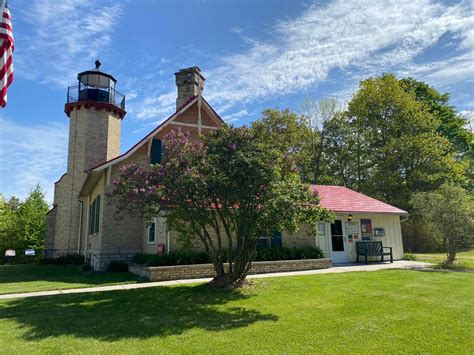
(451, 257)
(235, 276)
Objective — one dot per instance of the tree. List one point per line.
(32, 219)
(451, 210)
(8, 226)
(227, 189)
(288, 133)
(404, 152)
(451, 125)
(319, 117)
(22, 223)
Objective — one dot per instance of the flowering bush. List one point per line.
(227, 189)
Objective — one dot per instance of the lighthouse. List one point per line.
(95, 110)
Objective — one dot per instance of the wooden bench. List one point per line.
(372, 248)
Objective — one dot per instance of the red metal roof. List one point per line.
(342, 199)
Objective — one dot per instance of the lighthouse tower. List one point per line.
(95, 110)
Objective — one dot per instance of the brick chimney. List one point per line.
(188, 81)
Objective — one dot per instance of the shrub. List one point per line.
(73, 259)
(188, 258)
(409, 256)
(86, 268)
(271, 254)
(173, 258)
(117, 266)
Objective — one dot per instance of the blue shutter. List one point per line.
(155, 156)
(276, 240)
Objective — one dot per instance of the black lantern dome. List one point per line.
(96, 86)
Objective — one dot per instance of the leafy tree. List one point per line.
(451, 125)
(32, 219)
(320, 116)
(288, 133)
(227, 189)
(22, 224)
(451, 210)
(403, 151)
(8, 225)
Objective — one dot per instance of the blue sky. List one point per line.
(254, 55)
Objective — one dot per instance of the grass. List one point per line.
(28, 278)
(390, 311)
(464, 259)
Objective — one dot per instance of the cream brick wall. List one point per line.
(165, 273)
(94, 137)
(303, 237)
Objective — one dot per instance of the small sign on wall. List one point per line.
(352, 227)
(379, 232)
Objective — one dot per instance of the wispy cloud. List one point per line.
(63, 36)
(233, 117)
(31, 154)
(357, 38)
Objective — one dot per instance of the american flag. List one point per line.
(6, 53)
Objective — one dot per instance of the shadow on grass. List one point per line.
(140, 313)
(58, 273)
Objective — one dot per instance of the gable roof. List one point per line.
(342, 199)
(150, 135)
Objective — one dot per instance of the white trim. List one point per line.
(146, 139)
(109, 175)
(86, 237)
(193, 125)
(81, 206)
(199, 106)
(148, 232)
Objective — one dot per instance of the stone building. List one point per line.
(82, 220)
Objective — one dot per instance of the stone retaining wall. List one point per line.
(166, 273)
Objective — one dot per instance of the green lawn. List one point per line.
(465, 259)
(28, 278)
(391, 311)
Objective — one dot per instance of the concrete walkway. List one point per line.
(337, 268)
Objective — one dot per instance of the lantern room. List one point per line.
(95, 86)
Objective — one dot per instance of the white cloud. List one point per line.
(31, 154)
(348, 35)
(359, 38)
(233, 117)
(64, 37)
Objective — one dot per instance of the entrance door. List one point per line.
(338, 250)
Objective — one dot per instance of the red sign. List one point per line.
(160, 249)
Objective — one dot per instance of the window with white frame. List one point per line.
(152, 232)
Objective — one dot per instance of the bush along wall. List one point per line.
(264, 254)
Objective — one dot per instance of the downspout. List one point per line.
(167, 242)
(80, 228)
(87, 228)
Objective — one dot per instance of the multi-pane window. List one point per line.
(94, 215)
(270, 242)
